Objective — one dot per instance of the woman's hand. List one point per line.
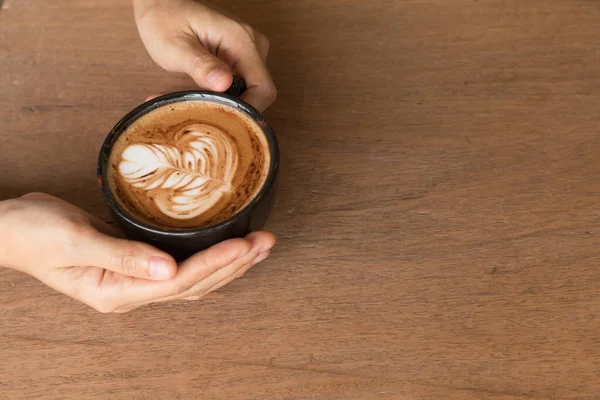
(75, 253)
(191, 37)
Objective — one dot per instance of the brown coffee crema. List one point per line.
(188, 165)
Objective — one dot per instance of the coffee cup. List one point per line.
(187, 170)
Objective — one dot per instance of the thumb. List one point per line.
(208, 71)
(126, 257)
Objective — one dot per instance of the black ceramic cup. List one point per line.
(183, 243)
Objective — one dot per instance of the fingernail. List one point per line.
(215, 76)
(160, 268)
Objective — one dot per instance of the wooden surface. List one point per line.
(438, 216)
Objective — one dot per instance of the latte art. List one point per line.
(188, 165)
(190, 176)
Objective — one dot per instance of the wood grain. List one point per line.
(437, 217)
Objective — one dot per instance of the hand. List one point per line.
(190, 37)
(74, 253)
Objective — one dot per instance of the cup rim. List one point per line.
(176, 97)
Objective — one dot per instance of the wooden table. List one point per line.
(438, 214)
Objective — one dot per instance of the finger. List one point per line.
(262, 44)
(199, 287)
(207, 285)
(233, 252)
(262, 256)
(208, 71)
(249, 62)
(197, 295)
(222, 277)
(126, 309)
(259, 241)
(262, 242)
(238, 274)
(191, 271)
(261, 91)
(153, 96)
(196, 269)
(134, 259)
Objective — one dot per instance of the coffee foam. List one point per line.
(189, 164)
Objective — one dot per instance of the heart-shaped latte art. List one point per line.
(187, 176)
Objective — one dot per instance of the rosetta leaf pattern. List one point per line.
(187, 177)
